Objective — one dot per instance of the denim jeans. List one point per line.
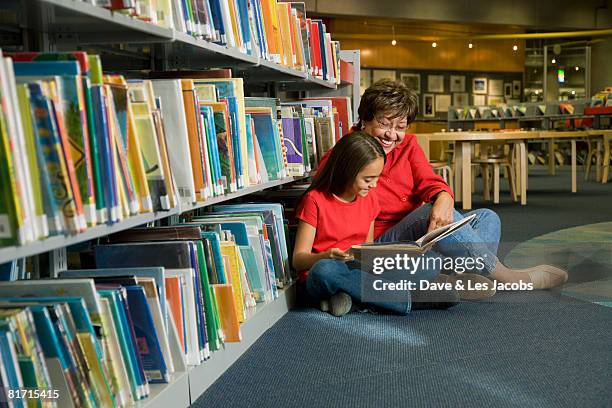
(480, 238)
(328, 277)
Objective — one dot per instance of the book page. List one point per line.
(442, 232)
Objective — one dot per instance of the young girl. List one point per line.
(337, 212)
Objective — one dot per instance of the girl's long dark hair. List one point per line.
(348, 157)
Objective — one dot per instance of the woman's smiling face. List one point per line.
(387, 130)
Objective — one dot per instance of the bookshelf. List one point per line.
(15, 252)
(130, 46)
(70, 24)
(533, 115)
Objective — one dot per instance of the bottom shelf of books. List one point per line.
(174, 394)
(149, 316)
(196, 380)
(204, 375)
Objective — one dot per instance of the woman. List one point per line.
(385, 112)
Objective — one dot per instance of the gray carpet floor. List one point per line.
(535, 349)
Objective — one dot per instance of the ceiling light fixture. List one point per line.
(470, 45)
(434, 44)
(393, 42)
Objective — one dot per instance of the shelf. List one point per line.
(188, 51)
(15, 252)
(240, 193)
(73, 22)
(203, 376)
(60, 241)
(554, 117)
(91, 24)
(268, 71)
(174, 394)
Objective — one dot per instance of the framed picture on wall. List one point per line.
(457, 83)
(495, 100)
(461, 99)
(412, 81)
(479, 100)
(435, 83)
(496, 87)
(516, 89)
(365, 80)
(443, 102)
(379, 74)
(479, 85)
(428, 106)
(508, 90)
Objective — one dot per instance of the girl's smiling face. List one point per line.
(366, 178)
(388, 131)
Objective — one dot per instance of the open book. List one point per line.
(421, 245)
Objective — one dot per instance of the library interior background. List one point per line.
(153, 159)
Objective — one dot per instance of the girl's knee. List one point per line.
(323, 268)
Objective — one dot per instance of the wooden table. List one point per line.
(463, 154)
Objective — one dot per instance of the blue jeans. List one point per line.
(478, 239)
(328, 277)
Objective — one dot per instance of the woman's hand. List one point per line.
(441, 211)
(338, 254)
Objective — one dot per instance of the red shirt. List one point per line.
(407, 180)
(338, 224)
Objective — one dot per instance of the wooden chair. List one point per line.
(496, 156)
(443, 166)
(446, 171)
(602, 159)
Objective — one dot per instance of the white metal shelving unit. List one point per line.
(67, 24)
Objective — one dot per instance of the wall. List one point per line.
(454, 55)
(601, 66)
(538, 14)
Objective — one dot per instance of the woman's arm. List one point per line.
(370, 237)
(441, 211)
(303, 257)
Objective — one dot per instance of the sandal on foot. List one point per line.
(547, 276)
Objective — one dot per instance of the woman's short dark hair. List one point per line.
(348, 157)
(388, 97)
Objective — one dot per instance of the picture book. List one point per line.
(423, 244)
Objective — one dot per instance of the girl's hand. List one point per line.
(441, 211)
(338, 254)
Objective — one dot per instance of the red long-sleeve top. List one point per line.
(407, 181)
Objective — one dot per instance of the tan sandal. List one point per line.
(547, 276)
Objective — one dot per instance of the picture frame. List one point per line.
(496, 87)
(435, 83)
(479, 85)
(508, 90)
(457, 83)
(378, 74)
(443, 101)
(428, 106)
(461, 99)
(516, 89)
(365, 80)
(412, 81)
(479, 99)
(495, 100)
